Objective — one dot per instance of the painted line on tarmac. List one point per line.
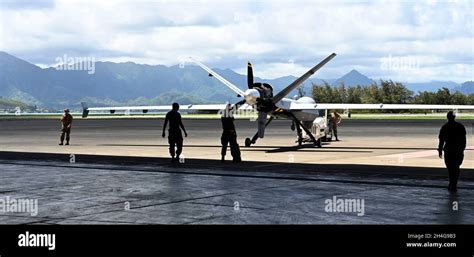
(418, 154)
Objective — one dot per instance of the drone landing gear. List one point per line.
(299, 126)
(249, 142)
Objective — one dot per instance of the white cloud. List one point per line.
(225, 34)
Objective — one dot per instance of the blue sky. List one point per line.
(412, 41)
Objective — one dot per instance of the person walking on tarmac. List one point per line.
(334, 120)
(175, 138)
(229, 135)
(66, 125)
(452, 140)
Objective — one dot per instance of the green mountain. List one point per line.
(9, 105)
(466, 87)
(130, 83)
(117, 84)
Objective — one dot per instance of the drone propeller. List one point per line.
(249, 75)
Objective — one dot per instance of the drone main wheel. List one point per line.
(248, 142)
(318, 143)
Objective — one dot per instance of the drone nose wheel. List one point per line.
(248, 142)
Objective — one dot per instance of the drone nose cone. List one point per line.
(252, 95)
(252, 92)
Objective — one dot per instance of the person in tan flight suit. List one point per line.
(66, 124)
(334, 120)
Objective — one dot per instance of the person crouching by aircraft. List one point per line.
(334, 120)
(66, 125)
(452, 139)
(229, 135)
(175, 137)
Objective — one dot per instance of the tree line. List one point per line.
(387, 92)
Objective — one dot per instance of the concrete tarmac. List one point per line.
(121, 174)
(82, 193)
(402, 143)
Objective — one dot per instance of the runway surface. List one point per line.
(169, 194)
(391, 166)
(368, 142)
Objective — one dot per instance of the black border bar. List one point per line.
(237, 240)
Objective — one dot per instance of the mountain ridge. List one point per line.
(129, 82)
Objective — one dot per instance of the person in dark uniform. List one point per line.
(452, 139)
(229, 135)
(66, 125)
(175, 138)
